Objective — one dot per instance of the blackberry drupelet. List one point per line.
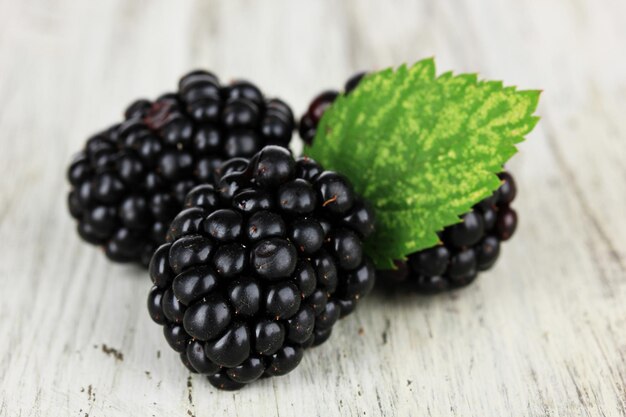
(260, 266)
(131, 179)
(466, 248)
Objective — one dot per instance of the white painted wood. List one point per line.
(543, 334)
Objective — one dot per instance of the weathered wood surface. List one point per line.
(543, 334)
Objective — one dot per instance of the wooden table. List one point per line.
(542, 334)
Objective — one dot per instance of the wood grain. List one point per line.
(543, 334)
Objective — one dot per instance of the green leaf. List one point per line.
(422, 149)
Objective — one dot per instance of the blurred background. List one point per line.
(542, 334)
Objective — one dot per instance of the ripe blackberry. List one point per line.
(260, 266)
(466, 248)
(130, 180)
(309, 121)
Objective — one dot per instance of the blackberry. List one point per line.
(309, 121)
(466, 248)
(260, 266)
(130, 180)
